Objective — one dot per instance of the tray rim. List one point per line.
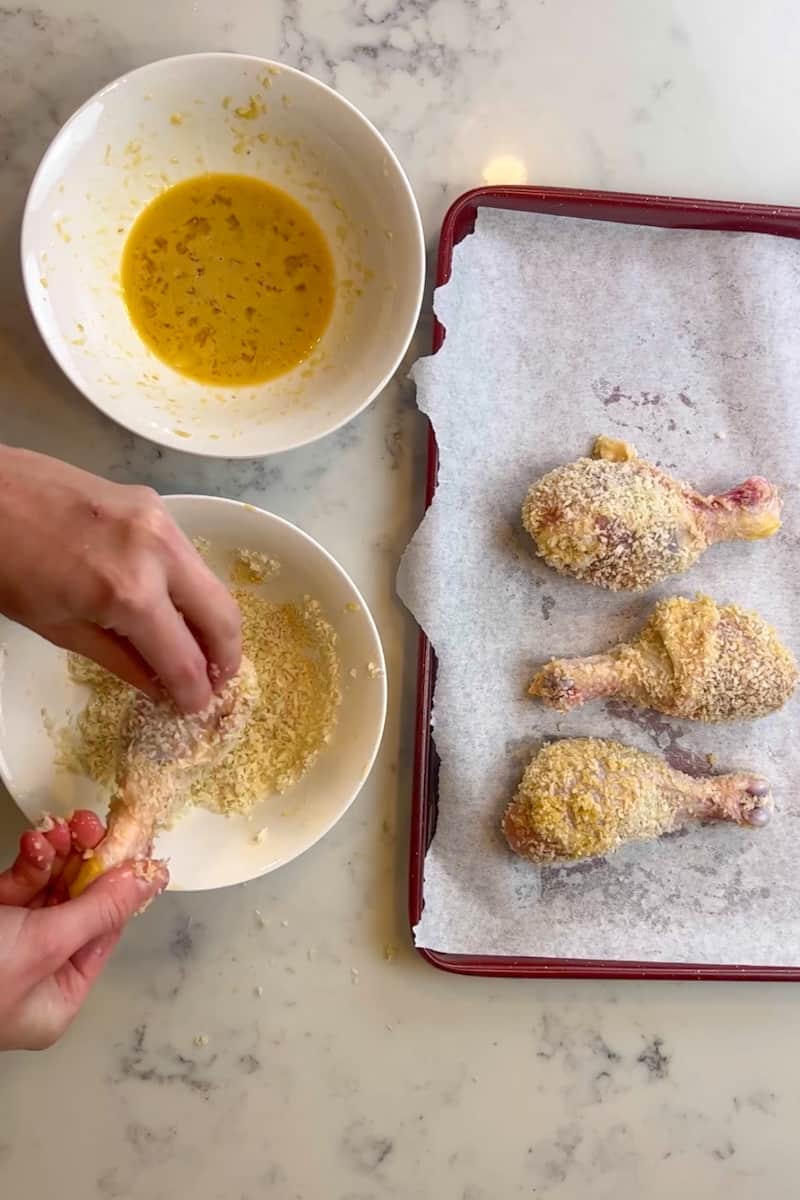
(626, 208)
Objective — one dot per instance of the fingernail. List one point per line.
(36, 851)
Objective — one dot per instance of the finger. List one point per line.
(54, 935)
(30, 871)
(86, 829)
(107, 648)
(56, 830)
(59, 887)
(91, 958)
(163, 638)
(211, 611)
(55, 1000)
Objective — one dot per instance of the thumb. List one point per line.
(101, 912)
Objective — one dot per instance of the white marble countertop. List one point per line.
(330, 1072)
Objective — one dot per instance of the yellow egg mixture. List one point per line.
(228, 279)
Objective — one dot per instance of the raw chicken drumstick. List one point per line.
(693, 659)
(585, 797)
(617, 521)
(161, 755)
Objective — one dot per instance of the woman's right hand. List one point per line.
(102, 569)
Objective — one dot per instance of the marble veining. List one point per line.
(281, 1039)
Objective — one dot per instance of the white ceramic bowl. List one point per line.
(167, 122)
(207, 850)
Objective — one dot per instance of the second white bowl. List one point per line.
(206, 850)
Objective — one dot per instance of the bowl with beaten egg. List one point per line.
(223, 255)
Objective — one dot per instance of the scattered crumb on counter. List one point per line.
(200, 1040)
(354, 973)
(259, 991)
(261, 920)
(285, 924)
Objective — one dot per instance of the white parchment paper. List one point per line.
(688, 345)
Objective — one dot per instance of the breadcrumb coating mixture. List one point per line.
(293, 650)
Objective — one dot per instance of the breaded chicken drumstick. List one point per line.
(585, 797)
(619, 522)
(161, 755)
(693, 659)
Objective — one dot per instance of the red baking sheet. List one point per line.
(672, 213)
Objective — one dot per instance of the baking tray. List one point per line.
(669, 212)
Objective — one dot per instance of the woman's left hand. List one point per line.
(52, 949)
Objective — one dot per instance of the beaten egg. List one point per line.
(228, 280)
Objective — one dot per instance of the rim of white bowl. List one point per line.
(365, 611)
(63, 361)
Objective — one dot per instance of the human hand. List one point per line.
(102, 569)
(52, 949)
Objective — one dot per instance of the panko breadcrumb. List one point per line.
(253, 566)
(293, 650)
